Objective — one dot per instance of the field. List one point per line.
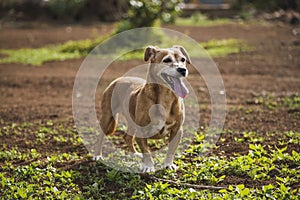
(257, 155)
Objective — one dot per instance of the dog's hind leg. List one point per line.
(98, 148)
(108, 127)
(108, 123)
(109, 110)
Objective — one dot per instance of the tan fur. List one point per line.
(133, 98)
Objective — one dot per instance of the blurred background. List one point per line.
(114, 10)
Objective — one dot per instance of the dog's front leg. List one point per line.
(148, 164)
(129, 141)
(173, 144)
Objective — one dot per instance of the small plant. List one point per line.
(265, 172)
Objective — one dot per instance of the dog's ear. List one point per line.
(184, 52)
(150, 53)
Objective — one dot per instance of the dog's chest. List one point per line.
(182, 108)
(173, 122)
(163, 131)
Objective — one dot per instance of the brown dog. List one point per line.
(153, 108)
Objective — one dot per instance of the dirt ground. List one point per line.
(45, 92)
(37, 94)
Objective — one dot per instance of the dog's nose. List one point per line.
(182, 71)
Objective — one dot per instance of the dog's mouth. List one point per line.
(176, 84)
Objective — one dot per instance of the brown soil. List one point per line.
(37, 94)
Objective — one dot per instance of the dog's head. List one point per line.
(170, 66)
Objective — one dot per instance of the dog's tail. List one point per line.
(108, 120)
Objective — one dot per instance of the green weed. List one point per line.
(265, 171)
(271, 102)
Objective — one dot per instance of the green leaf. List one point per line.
(283, 188)
(22, 192)
(265, 188)
(245, 192)
(252, 146)
(241, 186)
(223, 190)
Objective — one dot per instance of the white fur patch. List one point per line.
(147, 168)
(96, 158)
(171, 166)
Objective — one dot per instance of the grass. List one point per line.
(201, 20)
(212, 48)
(50, 162)
(78, 49)
(81, 48)
(221, 48)
(38, 56)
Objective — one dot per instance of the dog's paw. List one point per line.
(96, 158)
(139, 155)
(171, 166)
(146, 168)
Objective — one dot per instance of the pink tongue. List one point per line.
(179, 87)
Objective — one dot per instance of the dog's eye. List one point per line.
(167, 60)
(182, 59)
